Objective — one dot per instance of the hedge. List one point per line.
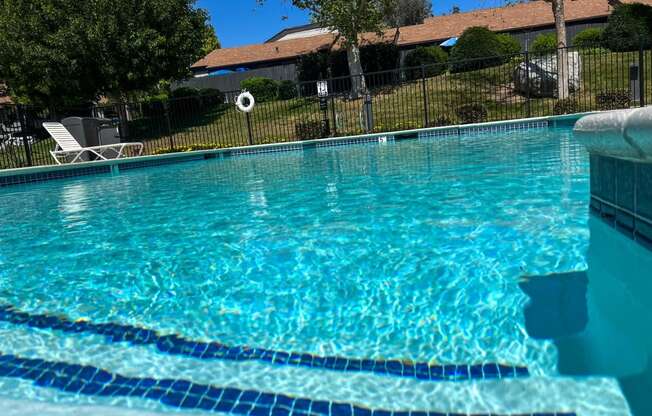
(432, 58)
(263, 89)
(588, 38)
(545, 43)
(477, 48)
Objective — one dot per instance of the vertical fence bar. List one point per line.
(249, 132)
(22, 120)
(641, 75)
(528, 99)
(426, 122)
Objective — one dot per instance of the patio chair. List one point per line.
(67, 145)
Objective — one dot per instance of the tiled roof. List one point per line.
(520, 16)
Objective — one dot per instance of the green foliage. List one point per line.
(613, 100)
(510, 46)
(287, 90)
(441, 121)
(477, 48)
(432, 58)
(588, 38)
(184, 92)
(409, 12)
(544, 44)
(309, 130)
(54, 52)
(378, 57)
(323, 65)
(263, 89)
(628, 28)
(349, 18)
(190, 148)
(211, 42)
(567, 106)
(472, 113)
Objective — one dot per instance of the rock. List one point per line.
(543, 75)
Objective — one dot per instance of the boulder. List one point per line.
(543, 75)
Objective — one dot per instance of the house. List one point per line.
(225, 68)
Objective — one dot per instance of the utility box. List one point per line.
(91, 132)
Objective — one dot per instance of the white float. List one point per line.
(240, 102)
(620, 133)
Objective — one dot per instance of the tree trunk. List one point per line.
(358, 84)
(562, 52)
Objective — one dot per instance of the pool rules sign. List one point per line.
(322, 89)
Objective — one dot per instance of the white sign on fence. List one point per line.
(322, 88)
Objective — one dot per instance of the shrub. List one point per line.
(190, 148)
(588, 38)
(613, 100)
(287, 90)
(477, 48)
(263, 89)
(184, 92)
(212, 97)
(432, 58)
(510, 46)
(440, 121)
(566, 106)
(308, 130)
(472, 113)
(628, 28)
(545, 43)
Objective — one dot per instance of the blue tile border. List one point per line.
(48, 176)
(183, 394)
(177, 345)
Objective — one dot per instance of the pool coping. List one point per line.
(32, 174)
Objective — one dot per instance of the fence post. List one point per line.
(641, 74)
(528, 104)
(369, 113)
(24, 127)
(334, 114)
(168, 124)
(425, 97)
(249, 132)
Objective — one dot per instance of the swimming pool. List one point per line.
(384, 277)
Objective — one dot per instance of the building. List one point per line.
(225, 68)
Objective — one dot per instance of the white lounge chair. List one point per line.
(68, 146)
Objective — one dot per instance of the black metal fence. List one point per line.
(486, 89)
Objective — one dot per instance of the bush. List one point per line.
(472, 113)
(184, 92)
(212, 97)
(441, 121)
(477, 48)
(544, 44)
(433, 58)
(263, 89)
(510, 46)
(287, 90)
(613, 100)
(588, 38)
(628, 28)
(308, 130)
(566, 106)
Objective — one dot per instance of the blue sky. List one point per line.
(242, 22)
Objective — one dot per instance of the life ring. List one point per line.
(240, 102)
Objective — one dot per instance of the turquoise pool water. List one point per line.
(413, 251)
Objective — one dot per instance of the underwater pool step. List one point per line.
(177, 345)
(183, 394)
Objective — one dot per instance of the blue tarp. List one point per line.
(449, 43)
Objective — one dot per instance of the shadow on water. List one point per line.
(601, 319)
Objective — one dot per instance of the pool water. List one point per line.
(412, 252)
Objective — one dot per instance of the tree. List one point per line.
(211, 42)
(349, 19)
(409, 12)
(54, 53)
